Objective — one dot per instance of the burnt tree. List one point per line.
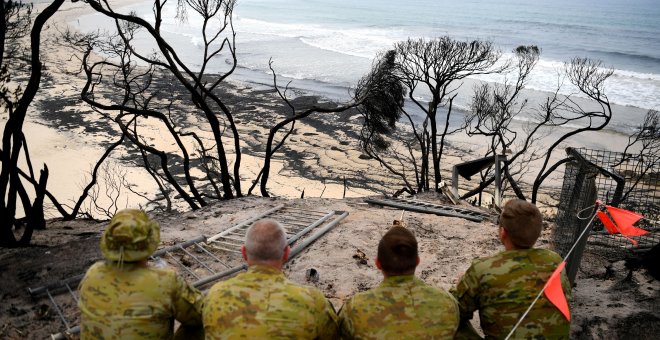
(16, 98)
(430, 72)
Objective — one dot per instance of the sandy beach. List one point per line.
(69, 137)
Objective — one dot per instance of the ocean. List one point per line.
(325, 46)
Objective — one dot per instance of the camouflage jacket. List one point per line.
(135, 302)
(263, 303)
(502, 287)
(402, 307)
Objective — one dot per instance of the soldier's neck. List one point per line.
(511, 246)
(272, 264)
(506, 242)
(386, 275)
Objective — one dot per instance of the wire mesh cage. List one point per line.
(622, 180)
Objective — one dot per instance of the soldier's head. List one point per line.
(521, 222)
(130, 237)
(397, 252)
(265, 243)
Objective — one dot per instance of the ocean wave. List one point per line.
(624, 87)
(365, 39)
(544, 23)
(362, 42)
(367, 42)
(627, 55)
(363, 48)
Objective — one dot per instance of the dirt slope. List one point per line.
(607, 302)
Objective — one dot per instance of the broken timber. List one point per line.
(430, 208)
(198, 259)
(471, 168)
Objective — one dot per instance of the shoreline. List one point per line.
(326, 84)
(316, 159)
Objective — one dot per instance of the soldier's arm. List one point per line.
(327, 319)
(466, 293)
(187, 303)
(345, 325)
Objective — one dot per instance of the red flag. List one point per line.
(624, 220)
(607, 222)
(554, 292)
(621, 222)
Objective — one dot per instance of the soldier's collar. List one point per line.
(398, 279)
(258, 268)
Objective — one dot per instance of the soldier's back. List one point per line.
(263, 303)
(503, 286)
(401, 307)
(128, 302)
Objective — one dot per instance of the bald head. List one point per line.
(265, 241)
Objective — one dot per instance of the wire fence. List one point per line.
(621, 180)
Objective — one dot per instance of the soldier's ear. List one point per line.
(501, 231)
(285, 257)
(417, 261)
(378, 265)
(244, 252)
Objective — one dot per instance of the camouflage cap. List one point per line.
(131, 236)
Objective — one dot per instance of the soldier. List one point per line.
(123, 297)
(403, 306)
(262, 302)
(503, 286)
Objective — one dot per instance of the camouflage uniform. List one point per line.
(135, 302)
(123, 298)
(401, 307)
(263, 303)
(503, 286)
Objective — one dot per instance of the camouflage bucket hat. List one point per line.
(131, 236)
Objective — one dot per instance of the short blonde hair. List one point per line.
(522, 221)
(265, 240)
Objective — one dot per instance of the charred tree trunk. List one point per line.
(12, 139)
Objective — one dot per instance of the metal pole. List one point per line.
(454, 181)
(310, 227)
(244, 223)
(42, 290)
(57, 309)
(177, 246)
(299, 248)
(498, 180)
(64, 335)
(209, 279)
(435, 210)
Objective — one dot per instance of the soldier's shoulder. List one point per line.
(304, 289)
(488, 260)
(219, 286)
(438, 294)
(547, 253)
(374, 293)
(166, 271)
(98, 265)
(499, 260)
(434, 290)
(95, 270)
